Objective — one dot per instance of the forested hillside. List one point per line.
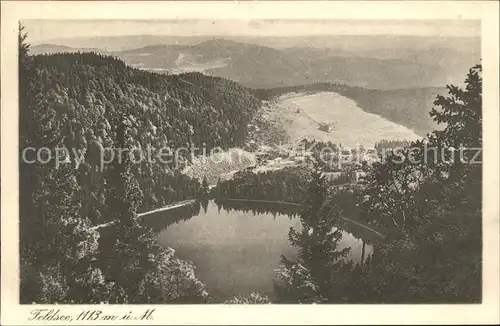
(81, 97)
(93, 104)
(288, 184)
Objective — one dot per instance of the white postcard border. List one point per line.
(12, 12)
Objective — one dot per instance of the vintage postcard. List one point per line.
(249, 163)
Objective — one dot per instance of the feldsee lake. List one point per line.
(237, 246)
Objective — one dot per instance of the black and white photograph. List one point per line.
(254, 161)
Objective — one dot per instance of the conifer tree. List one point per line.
(204, 186)
(313, 277)
(126, 257)
(434, 253)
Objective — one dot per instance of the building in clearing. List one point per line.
(331, 176)
(350, 177)
(326, 127)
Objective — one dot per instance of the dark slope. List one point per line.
(79, 99)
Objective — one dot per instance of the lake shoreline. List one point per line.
(300, 205)
(178, 204)
(194, 200)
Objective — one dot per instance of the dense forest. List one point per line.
(81, 97)
(385, 144)
(286, 184)
(257, 207)
(408, 107)
(96, 105)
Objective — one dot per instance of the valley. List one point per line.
(298, 116)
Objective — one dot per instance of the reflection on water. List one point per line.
(236, 246)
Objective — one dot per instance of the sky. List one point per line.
(43, 30)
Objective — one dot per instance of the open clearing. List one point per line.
(300, 114)
(220, 165)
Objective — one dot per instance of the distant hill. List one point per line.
(260, 66)
(54, 48)
(377, 62)
(376, 46)
(126, 42)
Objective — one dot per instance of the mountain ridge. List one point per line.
(384, 62)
